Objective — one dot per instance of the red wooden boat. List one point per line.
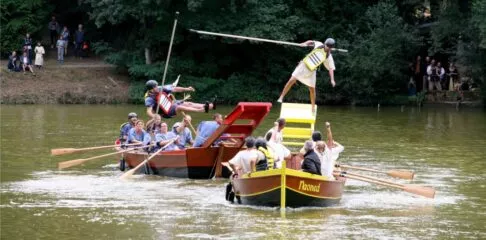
(205, 162)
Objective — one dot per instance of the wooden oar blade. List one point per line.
(403, 174)
(61, 151)
(71, 163)
(128, 174)
(428, 192)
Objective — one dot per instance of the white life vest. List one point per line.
(164, 101)
(315, 58)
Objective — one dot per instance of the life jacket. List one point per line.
(315, 58)
(268, 162)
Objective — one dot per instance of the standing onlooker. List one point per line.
(453, 76)
(418, 74)
(433, 78)
(412, 74)
(425, 76)
(27, 47)
(78, 40)
(60, 50)
(53, 27)
(26, 63)
(12, 62)
(65, 37)
(441, 74)
(39, 55)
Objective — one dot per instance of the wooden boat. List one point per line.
(286, 187)
(205, 162)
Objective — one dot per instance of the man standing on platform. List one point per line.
(305, 72)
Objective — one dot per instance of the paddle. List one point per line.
(132, 171)
(62, 151)
(428, 192)
(404, 174)
(70, 163)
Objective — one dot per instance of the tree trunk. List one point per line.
(148, 59)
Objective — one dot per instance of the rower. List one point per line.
(164, 137)
(138, 135)
(206, 128)
(181, 129)
(125, 127)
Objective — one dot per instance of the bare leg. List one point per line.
(287, 87)
(194, 105)
(188, 108)
(312, 92)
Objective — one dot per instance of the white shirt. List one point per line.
(278, 135)
(329, 62)
(242, 159)
(328, 159)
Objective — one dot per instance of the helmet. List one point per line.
(132, 115)
(151, 84)
(330, 42)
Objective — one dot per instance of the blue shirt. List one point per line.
(185, 137)
(205, 130)
(124, 130)
(163, 137)
(142, 137)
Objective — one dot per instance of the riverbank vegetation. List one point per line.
(382, 37)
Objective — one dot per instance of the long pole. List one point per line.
(257, 39)
(170, 48)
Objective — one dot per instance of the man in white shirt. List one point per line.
(244, 161)
(274, 141)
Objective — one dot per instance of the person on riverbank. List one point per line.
(305, 72)
(39, 55)
(206, 128)
(164, 137)
(65, 37)
(181, 129)
(27, 47)
(78, 41)
(168, 106)
(53, 28)
(138, 135)
(12, 62)
(27, 63)
(125, 127)
(61, 44)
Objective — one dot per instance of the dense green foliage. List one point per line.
(19, 18)
(382, 38)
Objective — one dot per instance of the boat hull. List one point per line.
(301, 189)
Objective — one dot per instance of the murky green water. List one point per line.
(446, 148)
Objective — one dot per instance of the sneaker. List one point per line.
(279, 100)
(206, 107)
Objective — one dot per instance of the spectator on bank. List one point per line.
(60, 50)
(442, 77)
(417, 73)
(27, 63)
(27, 47)
(412, 75)
(53, 28)
(39, 55)
(65, 37)
(453, 76)
(433, 77)
(423, 70)
(12, 62)
(78, 40)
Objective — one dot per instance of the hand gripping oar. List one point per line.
(75, 162)
(132, 171)
(428, 192)
(404, 174)
(62, 151)
(258, 39)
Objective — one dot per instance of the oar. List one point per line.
(404, 174)
(76, 162)
(132, 171)
(428, 192)
(62, 151)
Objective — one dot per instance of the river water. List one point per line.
(445, 147)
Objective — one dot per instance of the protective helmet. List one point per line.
(151, 84)
(330, 42)
(132, 115)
